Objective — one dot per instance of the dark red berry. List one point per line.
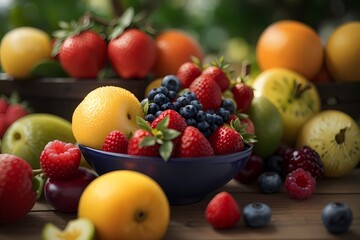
(299, 184)
(251, 170)
(305, 158)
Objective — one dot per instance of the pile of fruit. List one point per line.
(196, 110)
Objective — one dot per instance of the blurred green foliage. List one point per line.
(222, 26)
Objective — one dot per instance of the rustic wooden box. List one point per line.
(60, 96)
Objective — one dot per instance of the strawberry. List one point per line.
(81, 51)
(4, 104)
(176, 121)
(132, 54)
(14, 112)
(207, 91)
(148, 141)
(222, 212)
(244, 119)
(218, 72)
(226, 140)
(193, 144)
(187, 72)
(218, 76)
(60, 160)
(17, 196)
(116, 142)
(243, 96)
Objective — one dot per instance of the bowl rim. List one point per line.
(214, 158)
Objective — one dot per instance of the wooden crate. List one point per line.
(60, 96)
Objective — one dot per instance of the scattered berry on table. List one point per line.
(116, 142)
(60, 160)
(257, 214)
(17, 196)
(337, 217)
(299, 184)
(269, 182)
(222, 212)
(305, 158)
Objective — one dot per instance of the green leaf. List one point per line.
(163, 124)
(166, 149)
(143, 124)
(170, 134)
(147, 141)
(124, 22)
(64, 25)
(145, 105)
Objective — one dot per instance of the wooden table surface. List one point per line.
(291, 219)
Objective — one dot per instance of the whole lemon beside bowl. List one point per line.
(125, 205)
(103, 110)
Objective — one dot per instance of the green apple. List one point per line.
(28, 136)
(296, 98)
(268, 126)
(80, 228)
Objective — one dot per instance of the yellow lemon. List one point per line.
(22, 48)
(125, 204)
(103, 110)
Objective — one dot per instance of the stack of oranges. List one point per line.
(296, 46)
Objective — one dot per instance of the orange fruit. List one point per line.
(173, 48)
(342, 52)
(292, 45)
(103, 110)
(125, 204)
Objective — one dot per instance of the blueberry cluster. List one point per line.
(168, 96)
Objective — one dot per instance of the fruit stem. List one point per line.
(300, 89)
(340, 137)
(37, 171)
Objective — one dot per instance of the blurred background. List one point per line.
(227, 27)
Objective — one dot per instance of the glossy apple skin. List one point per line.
(63, 195)
(251, 171)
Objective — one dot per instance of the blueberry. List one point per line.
(149, 118)
(152, 93)
(172, 83)
(190, 96)
(207, 133)
(337, 217)
(218, 120)
(191, 122)
(210, 118)
(172, 95)
(168, 105)
(197, 104)
(158, 113)
(153, 108)
(269, 182)
(225, 114)
(213, 127)
(201, 116)
(164, 90)
(183, 101)
(256, 214)
(160, 99)
(189, 111)
(203, 126)
(228, 105)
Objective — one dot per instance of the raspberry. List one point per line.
(60, 160)
(116, 142)
(305, 158)
(300, 184)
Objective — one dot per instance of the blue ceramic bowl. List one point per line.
(184, 180)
